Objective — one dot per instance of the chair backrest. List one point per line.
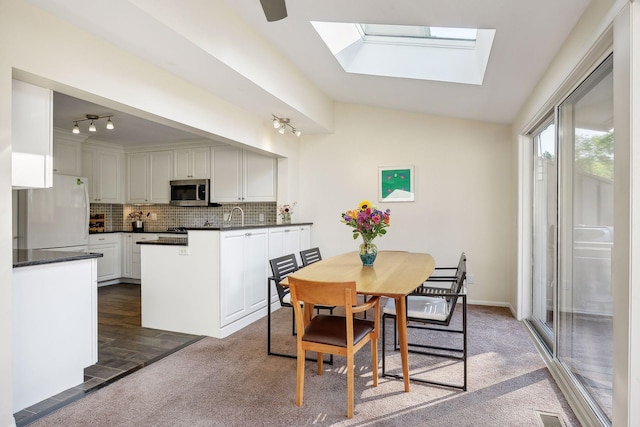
(462, 264)
(309, 256)
(322, 293)
(281, 267)
(450, 294)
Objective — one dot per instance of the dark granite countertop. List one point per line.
(30, 257)
(212, 228)
(169, 241)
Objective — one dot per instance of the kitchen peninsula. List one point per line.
(55, 325)
(215, 282)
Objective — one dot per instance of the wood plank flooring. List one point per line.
(123, 347)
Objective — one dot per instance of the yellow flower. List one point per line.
(364, 205)
(352, 214)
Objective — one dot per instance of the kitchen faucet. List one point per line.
(241, 213)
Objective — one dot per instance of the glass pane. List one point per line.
(585, 331)
(545, 214)
(419, 31)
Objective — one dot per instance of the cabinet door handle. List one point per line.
(248, 234)
(287, 231)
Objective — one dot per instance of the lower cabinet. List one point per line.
(110, 247)
(243, 273)
(131, 266)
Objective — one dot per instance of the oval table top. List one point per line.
(394, 273)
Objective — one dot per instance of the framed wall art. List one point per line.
(396, 184)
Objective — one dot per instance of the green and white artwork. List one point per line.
(396, 184)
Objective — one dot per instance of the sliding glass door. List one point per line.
(545, 215)
(572, 304)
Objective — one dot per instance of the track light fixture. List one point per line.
(92, 126)
(282, 123)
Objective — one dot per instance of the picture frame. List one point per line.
(396, 184)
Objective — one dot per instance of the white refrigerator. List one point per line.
(55, 218)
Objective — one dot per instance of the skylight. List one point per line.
(458, 55)
(419, 31)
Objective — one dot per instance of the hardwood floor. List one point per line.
(123, 347)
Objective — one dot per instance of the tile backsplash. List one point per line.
(117, 216)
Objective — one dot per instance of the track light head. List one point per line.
(76, 128)
(92, 127)
(109, 124)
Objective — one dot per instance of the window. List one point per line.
(458, 55)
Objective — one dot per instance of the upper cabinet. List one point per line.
(242, 176)
(148, 176)
(67, 153)
(105, 172)
(31, 136)
(191, 163)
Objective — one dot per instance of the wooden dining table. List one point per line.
(394, 275)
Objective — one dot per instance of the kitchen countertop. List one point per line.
(212, 228)
(30, 257)
(169, 241)
(183, 241)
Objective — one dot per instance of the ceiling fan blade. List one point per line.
(274, 10)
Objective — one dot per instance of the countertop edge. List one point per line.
(30, 257)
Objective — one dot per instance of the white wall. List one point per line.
(464, 199)
(6, 403)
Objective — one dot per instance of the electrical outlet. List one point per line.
(154, 217)
(471, 278)
(183, 251)
(261, 217)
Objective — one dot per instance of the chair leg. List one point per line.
(300, 376)
(350, 392)
(293, 323)
(384, 342)
(319, 357)
(374, 361)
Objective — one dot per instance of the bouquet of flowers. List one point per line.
(367, 221)
(286, 211)
(135, 216)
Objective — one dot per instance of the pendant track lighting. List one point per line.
(92, 126)
(281, 124)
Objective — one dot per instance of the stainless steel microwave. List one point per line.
(189, 192)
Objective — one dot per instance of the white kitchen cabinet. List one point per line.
(191, 163)
(241, 175)
(131, 266)
(67, 153)
(138, 178)
(31, 136)
(103, 168)
(243, 273)
(160, 175)
(284, 241)
(109, 245)
(148, 176)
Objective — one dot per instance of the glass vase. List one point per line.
(286, 218)
(368, 252)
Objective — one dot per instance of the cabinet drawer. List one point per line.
(101, 239)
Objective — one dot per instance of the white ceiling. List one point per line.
(528, 35)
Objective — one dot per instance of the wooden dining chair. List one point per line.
(339, 335)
